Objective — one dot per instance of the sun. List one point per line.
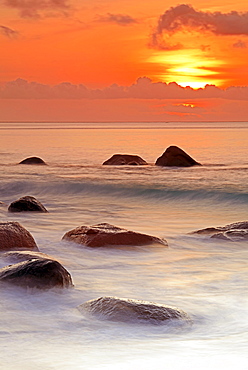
(186, 68)
(193, 84)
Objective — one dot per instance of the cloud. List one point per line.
(8, 32)
(120, 19)
(184, 16)
(143, 88)
(38, 8)
(240, 44)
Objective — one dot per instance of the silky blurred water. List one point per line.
(206, 278)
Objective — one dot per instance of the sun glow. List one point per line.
(187, 69)
(194, 84)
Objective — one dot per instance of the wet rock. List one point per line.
(33, 160)
(125, 159)
(20, 256)
(174, 156)
(131, 311)
(14, 236)
(207, 231)
(37, 273)
(232, 232)
(232, 235)
(106, 235)
(26, 204)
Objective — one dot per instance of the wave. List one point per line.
(140, 191)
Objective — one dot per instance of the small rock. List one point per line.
(131, 311)
(125, 159)
(37, 273)
(232, 232)
(103, 235)
(33, 160)
(14, 236)
(174, 156)
(26, 204)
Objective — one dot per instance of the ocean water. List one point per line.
(207, 278)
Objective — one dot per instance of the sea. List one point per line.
(207, 278)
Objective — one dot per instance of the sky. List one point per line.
(120, 60)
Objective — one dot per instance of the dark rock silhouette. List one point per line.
(20, 256)
(232, 232)
(14, 236)
(26, 204)
(33, 160)
(174, 156)
(125, 159)
(131, 311)
(103, 235)
(37, 273)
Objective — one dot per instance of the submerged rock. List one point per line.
(125, 159)
(37, 273)
(174, 156)
(33, 160)
(14, 236)
(131, 311)
(232, 232)
(103, 235)
(26, 204)
(20, 256)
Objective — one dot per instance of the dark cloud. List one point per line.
(240, 44)
(184, 16)
(120, 19)
(8, 32)
(143, 88)
(38, 8)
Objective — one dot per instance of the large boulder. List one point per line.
(232, 232)
(125, 159)
(106, 235)
(37, 273)
(174, 156)
(26, 204)
(14, 236)
(33, 160)
(131, 311)
(20, 256)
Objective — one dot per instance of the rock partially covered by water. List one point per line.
(26, 204)
(33, 160)
(14, 236)
(37, 273)
(232, 232)
(131, 311)
(20, 256)
(174, 156)
(125, 159)
(106, 235)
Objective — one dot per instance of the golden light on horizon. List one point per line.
(187, 68)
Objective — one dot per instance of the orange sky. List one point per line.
(100, 43)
